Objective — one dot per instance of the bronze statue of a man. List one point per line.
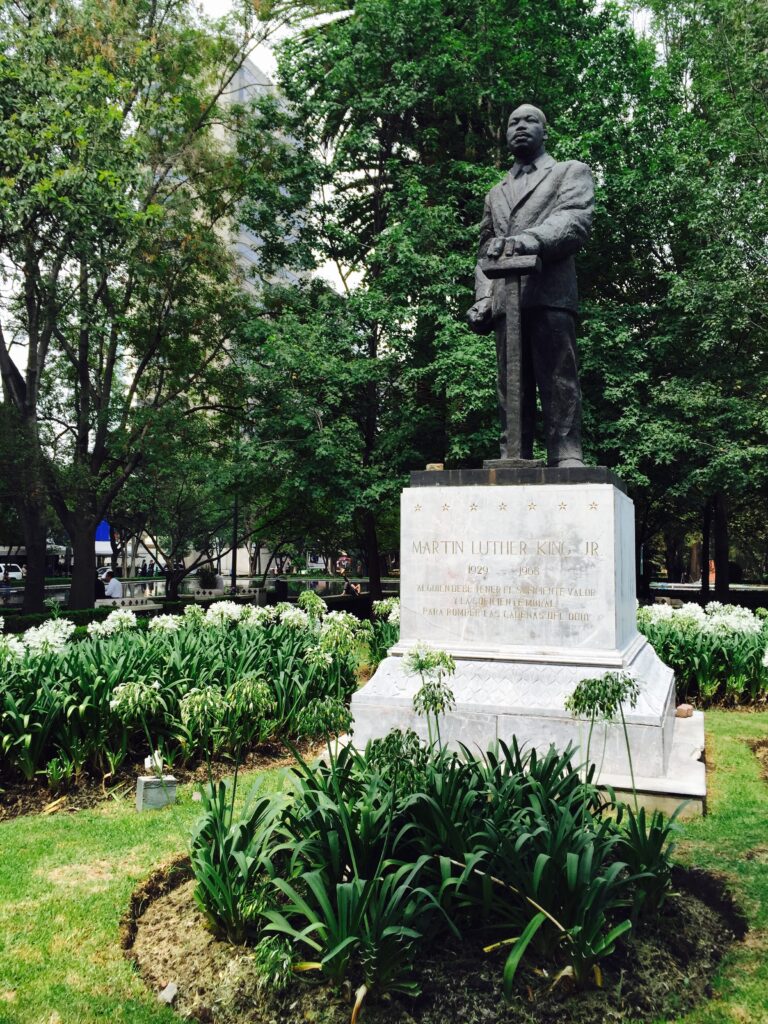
(541, 208)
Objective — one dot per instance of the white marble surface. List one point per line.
(532, 589)
(548, 569)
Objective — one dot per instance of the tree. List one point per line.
(401, 132)
(116, 202)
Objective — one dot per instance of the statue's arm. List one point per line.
(568, 227)
(479, 316)
(482, 283)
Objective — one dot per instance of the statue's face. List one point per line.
(526, 131)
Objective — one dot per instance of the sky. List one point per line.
(262, 56)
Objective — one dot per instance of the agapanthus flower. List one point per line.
(222, 612)
(50, 636)
(294, 617)
(165, 623)
(117, 621)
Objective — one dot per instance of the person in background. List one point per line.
(113, 588)
(350, 589)
(99, 593)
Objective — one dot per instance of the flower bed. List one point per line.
(212, 683)
(718, 653)
(369, 862)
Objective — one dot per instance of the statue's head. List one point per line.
(526, 131)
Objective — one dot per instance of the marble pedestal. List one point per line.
(527, 577)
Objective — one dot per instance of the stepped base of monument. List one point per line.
(526, 577)
(685, 780)
(502, 700)
(526, 699)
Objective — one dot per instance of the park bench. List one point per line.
(137, 604)
(204, 594)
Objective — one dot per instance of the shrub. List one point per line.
(718, 653)
(225, 856)
(384, 630)
(372, 852)
(257, 668)
(206, 577)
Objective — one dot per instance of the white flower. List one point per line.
(165, 623)
(134, 700)
(317, 658)
(222, 612)
(202, 710)
(312, 604)
(294, 617)
(731, 618)
(765, 658)
(154, 763)
(657, 612)
(384, 609)
(252, 615)
(50, 636)
(690, 611)
(11, 646)
(338, 633)
(194, 614)
(116, 622)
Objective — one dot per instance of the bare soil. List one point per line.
(760, 750)
(17, 798)
(658, 973)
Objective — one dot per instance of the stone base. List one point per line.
(526, 576)
(685, 778)
(532, 711)
(153, 793)
(502, 699)
(506, 463)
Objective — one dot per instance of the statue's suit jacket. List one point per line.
(553, 205)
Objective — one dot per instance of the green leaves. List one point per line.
(517, 954)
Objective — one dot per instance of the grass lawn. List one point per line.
(65, 881)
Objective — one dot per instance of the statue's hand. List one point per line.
(521, 245)
(479, 317)
(495, 248)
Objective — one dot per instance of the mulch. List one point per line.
(659, 973)
(18, 798)
(760, 750)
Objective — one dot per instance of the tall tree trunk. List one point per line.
(372, 555)
(83, 537)
(32, 515)
(722, 578)
(235, 514)
(706, 526)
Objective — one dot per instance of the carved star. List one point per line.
(593, 507)
(417, 508)
(446, 508)
(531, 506)
(563, 506)
(473, 507)
(503, 507)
